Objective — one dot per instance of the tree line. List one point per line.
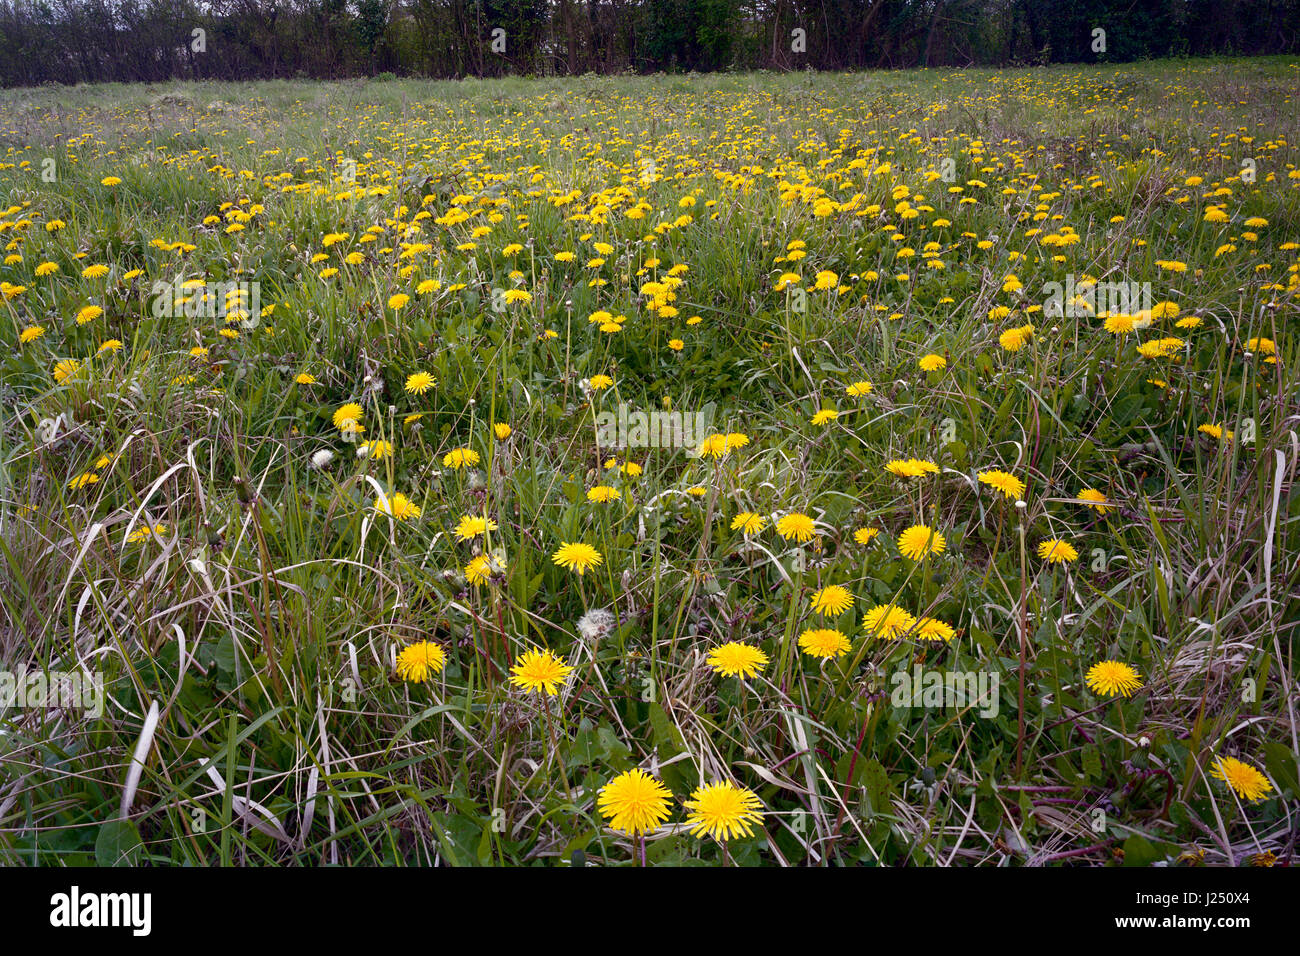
(82, 41)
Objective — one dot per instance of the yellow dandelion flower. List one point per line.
(888, 621)
(911, 467)
(347, 414)
(715, 446)
(1113, 677)
(460, 458)
(796, 526)
(471, 526)
(1120, 324)
(1217, 432)
(1244, 779)
(398, 506)
(824, 642)
(1013, 340)
(479, 570)
(65, 369)
(1010, 486)
(82, 480)
(1057, 551)
(579, 556)
(832, 599)
(920, 541)
(933, 629)
(736, 659)
(418, 662)
(634, 802)
(146, 531)
(419, 382)
(540, 671)
(1097, 501)
(748, 523)
(723, 811)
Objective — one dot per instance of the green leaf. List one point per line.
(878, 786)
(667, 737)
(118, 844)
(1281, 763)
(678, 777)
(1139, 851)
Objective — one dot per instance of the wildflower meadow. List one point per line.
(780, 469)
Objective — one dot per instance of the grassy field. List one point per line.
(312, 463)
